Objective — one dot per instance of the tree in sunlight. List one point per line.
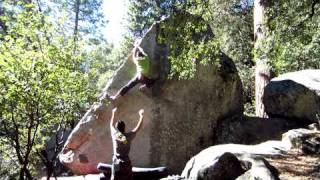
(43, 89)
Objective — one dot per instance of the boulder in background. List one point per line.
(294, 95)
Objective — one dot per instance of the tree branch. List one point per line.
(314, 3)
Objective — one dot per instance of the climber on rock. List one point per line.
(121, 140)
(143, 75)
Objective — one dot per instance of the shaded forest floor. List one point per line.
(297, 166)
(293, 166)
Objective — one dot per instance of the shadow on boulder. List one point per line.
(228, 167)
(253, 130)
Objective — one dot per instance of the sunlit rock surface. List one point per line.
(180, 115)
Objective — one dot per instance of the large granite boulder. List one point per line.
(180, 115)
(294, 95)
(222, 161)
(306, 140)
(212, 163)
(259, 168)
(227, 166)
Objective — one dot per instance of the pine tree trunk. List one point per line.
(3, 26)
(76, 24)
(76, 19)
(262, 69)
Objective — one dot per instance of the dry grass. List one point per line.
(297, 166)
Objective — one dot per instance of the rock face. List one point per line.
(210, 159)
(222, 161)
(226, 167)
(259, 169)
(253, 130)
(294, 95)
(180, 115)
(306, 140)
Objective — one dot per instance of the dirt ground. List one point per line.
(297, 166)
(293, 166)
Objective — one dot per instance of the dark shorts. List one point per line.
(121, 169)
(145, 80)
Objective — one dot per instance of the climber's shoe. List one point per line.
(143, 88)
(113, 98)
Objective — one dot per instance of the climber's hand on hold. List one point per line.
(114, 97)
(143, 87)
(139, 125)
(141, 112)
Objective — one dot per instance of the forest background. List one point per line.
(55, 60)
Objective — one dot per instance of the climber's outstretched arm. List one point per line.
(139, 125)
(114, 110)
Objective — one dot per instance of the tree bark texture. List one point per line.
(262, 69)
(76, 23)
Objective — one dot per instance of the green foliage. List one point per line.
(293, 41)
(232, 24)
(142, 14)
(102, 61)
(53, 59)
(182, 34)
(190, 41)
(86, 14)
(42, 85)
(230, 21)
